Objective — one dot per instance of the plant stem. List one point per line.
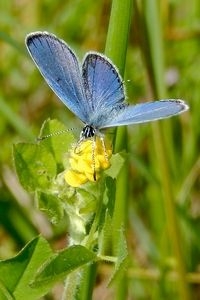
(116, 47)
(79, 284)
(70, 286)
(118, 33)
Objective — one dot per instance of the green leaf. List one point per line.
(35, 166)
(122, 259)
(59, 139)
(117, 161)
(105, 235)
(17, 272)
(61, 264)
(109, 194)
(51, 205)
(106, 213)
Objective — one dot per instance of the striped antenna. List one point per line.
(41, 138)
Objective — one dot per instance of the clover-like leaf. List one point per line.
(61, 264)
(35, 166)
(17, 272)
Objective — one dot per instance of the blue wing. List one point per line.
(60, 68)
(103, 85)
(142, 113)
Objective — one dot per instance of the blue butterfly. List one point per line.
(94, 92)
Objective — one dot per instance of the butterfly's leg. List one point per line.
(76, 148)
(104, 147)
(93, 157)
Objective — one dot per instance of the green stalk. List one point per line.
(116, 48)
(79, 284)
(118, 33)
(156, 71)
(70, 287)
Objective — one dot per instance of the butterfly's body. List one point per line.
(94, 93)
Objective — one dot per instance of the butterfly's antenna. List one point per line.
(41, 138)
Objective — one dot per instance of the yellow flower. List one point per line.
(87, 160)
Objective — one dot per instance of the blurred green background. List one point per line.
(26, 101)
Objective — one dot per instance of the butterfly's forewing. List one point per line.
(145, 112)
(60, 68)
(103, 85)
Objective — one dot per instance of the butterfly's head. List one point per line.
(87, 132)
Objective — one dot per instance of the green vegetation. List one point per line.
(143, 240)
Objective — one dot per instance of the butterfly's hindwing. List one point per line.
(103, 85)
(144, 112)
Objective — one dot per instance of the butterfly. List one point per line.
(94, 92)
